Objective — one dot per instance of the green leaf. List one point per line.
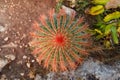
(96, 10)
(99, 31)
(108, 29)
(114, 34)
(102, 27)
(107, 43)
(99, 37)
(118, 30)
(103, 2)
(114, 15)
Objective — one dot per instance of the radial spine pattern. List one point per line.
(59, 40)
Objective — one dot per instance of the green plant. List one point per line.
(59, 41)
(101, 2)
(107, 23)
(81, 5)
(58, 5)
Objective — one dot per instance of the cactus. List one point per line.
(59, 41)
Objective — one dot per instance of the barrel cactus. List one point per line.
(59, 40)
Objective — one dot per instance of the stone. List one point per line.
(2, 28)
(4, 61)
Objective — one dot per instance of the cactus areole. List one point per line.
(59, 40)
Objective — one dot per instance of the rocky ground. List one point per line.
(16, 61)
(16, 18)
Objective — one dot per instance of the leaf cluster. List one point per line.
(107, 25)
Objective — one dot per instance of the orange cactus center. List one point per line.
(60, 40)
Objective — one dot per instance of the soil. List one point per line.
(17, 16)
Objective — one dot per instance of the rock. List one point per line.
(100, 70)
(38, 77)
(28, 64)
(112, 4)
(68, 10)
(90, 70)
(22, 74)
(6, 39)
(10, 57)
(50, 76)
(24, 57)
(2, 28)
(4, 61)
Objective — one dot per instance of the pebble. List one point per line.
(10, 57)
(19, 62)
(22, 74)
(2, 29)
(38, 77)
(32, 60)
(24, 57)
(3, 62)
(20, 46)
(28, 65)
(6, 39)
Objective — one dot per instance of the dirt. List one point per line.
(17, 16)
